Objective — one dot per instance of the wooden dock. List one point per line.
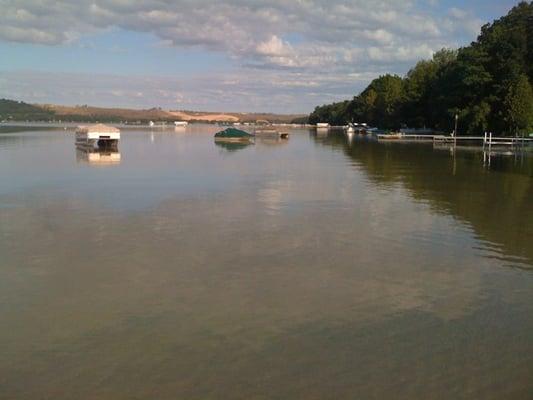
(486, 140)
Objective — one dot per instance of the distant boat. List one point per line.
(101, 135)
(322, 125)
(389, 136)
(181, 123)
(151, 123)
(233, 135)
(271, 133)
(361, 128)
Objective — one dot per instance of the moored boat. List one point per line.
(271, 133)
(389, 136)
(233, 135)
(99, 135)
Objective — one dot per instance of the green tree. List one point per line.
(444, 56)
(380, 103)
(334, 114)
(472, 82)
(519, 106)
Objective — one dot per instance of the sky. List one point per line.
(284, 56)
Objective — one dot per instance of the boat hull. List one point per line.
(234, 140)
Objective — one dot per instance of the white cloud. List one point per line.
(281, 43)
(379, 35)
(243, 29)
(252, 91)
(274, 47)
(457, 13)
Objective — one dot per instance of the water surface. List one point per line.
(315, 268)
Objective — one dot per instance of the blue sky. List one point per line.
(234, 55)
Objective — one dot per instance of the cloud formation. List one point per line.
(341, 31)
(225, 91)
(300, 38)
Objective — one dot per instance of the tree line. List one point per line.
(18, 110)
(487, 84)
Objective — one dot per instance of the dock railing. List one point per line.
(487, 140)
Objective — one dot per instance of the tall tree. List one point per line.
(473, 82)
(519, 102)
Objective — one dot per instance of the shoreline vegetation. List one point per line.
(11, 110)
(487, 85)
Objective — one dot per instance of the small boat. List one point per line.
(181, 123)
(100, 135)
(233, 135)
(389, 136)
(322, 125)
(271, 133)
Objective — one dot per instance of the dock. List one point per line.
(487, 140)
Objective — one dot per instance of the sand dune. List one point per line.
(158, 114)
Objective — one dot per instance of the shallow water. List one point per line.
(314, 268)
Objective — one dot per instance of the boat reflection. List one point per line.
(233, 146)
(271, 141)
(96, 156)
(350, 135)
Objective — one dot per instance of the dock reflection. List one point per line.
(518, 154)
(455, 181)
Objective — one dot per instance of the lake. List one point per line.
(321, 267)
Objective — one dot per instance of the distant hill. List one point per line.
(20, 111)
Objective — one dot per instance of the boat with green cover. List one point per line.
(233, 135)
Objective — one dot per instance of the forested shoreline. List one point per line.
(486, 84)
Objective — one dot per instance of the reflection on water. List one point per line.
(97, 156)
(232, 146)
(519, 153)
(496, 205)
(323, 268)
(272, 141)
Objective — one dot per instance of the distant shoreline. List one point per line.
(11, 110)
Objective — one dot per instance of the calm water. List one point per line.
(318, 268)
